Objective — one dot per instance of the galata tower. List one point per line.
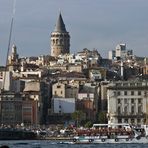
(60, 39)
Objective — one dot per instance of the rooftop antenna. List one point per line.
(9, 41)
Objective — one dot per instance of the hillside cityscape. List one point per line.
(74, 88)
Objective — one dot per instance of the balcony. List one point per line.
(129, 115)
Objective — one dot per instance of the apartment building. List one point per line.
(128, 102)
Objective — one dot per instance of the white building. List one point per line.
(63, 105)
(120, 52)
(95, 75)
(128, 102)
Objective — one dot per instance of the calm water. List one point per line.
(54, 144)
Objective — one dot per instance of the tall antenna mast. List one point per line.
(9, 41)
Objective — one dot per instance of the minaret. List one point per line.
(122, 70)
(60, 39)
(13, 58)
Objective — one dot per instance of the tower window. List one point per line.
(61, 42)
(53, 41)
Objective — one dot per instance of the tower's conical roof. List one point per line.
(60, 26)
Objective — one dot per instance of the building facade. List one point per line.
(128, 102)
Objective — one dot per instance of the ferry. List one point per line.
(112, 133)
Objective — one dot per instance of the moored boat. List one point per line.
(17, 134)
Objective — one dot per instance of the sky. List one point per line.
(99, 24)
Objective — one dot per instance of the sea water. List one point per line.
(57, 144)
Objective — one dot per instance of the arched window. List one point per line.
(57, 41)
(61, 42)
(53, 41)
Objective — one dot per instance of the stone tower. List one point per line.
(60, 39)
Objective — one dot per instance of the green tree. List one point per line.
(88, 124)
(78, 116)
(102, 118)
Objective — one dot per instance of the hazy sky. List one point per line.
(100, 24)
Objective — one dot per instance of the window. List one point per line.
(125, 101)
(119, 120)
(55, 92)
(57, 41)
(138, 120)
(132, 84)
(119, 110)
(61, 92)
(53, 41)
(118, 84)
(58, 86)
(132, 121)
(125, 93)
(139, 84)
(132, 101)
(139, 101)
(126, 120)
(132, 93)
(61, 41)
(118, 93)
(125, 84)
(139, 93)
(125, 109)
(132, 110)
(119, 101)
(139, 109)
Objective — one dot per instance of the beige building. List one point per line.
(60, 39)
(59, 66)
(58, 90)
(128, 102)
(145, 70)
(64, 90)
(75, 67)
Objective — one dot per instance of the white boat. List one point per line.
(112, 133)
